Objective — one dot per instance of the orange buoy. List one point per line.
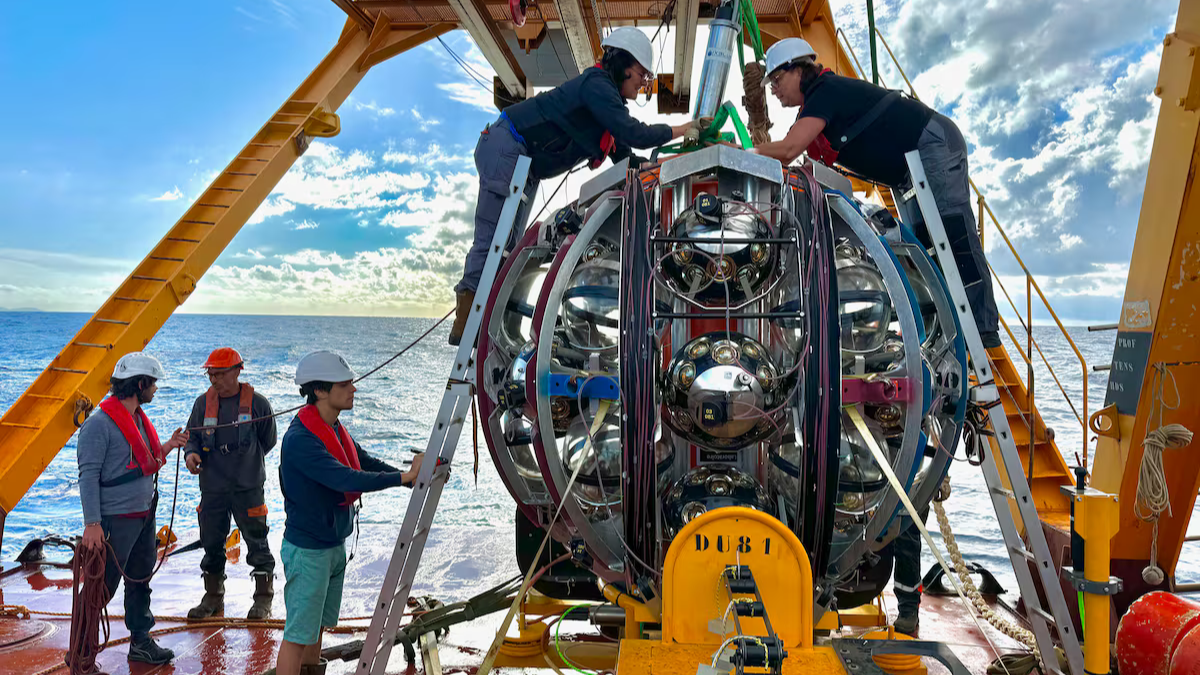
(1186, 658)
(1151, 632)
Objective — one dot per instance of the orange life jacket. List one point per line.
(212, 404)
(144, 460)
(342, 449)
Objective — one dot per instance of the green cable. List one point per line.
(1082, 624)
(558, 647)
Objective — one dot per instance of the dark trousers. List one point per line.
(944, 158)
(496, 156)
(133, 541)
(907, 575)
(249, 511)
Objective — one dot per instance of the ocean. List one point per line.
(394, 410)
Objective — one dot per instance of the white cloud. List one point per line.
(59, 281)
(431, 156)
(251, 254)
(423, 122)
(372, 107)
(1069, 241)
(389, 281)
(305, 225)
(328, 178)
(169, 195)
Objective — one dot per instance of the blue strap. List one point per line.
(513, 128)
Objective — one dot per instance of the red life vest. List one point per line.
(607, 145)
(145, 461)
(212, 404)
(343, 449)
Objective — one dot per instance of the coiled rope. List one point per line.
(1153, 497)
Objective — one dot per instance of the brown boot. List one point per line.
(213, 602)
(314, 668)
(465, 300)
(264, 591)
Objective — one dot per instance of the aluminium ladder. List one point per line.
(427, 491)
(1041, 616)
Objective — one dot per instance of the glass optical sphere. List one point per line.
(709, 487)
(721, 391)
(710, 270)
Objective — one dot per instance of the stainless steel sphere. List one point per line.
(709, 487)
(713, 271)
(591, 307)
(719, 389)
(865, 308)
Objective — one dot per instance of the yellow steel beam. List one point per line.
(35, 428)
(1159, 323)
(582, 37)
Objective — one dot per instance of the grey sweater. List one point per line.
(103, 455)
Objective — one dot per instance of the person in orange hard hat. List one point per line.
(229, 459)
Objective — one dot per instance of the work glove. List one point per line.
(696, 129)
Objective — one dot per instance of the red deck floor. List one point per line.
(31, 645)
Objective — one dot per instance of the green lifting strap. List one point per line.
(713, 135)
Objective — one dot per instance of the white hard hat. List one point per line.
(633, 41)
(785, 51)
(323, 366)
(138, 363)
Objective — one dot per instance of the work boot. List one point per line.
(264, 590)
(213, 602)
(465, 299)
(991, 339)
(907, 623)
(314, 668)
(146, 650)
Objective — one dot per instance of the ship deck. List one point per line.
(31, 645)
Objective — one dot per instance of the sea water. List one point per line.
(392, 416)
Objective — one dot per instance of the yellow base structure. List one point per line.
(644, 657)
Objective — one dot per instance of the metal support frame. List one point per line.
(687, 20)
(475, 19)
(422, 504)
(1007, 459)
(579, 36)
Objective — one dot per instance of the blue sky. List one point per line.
(120, 116)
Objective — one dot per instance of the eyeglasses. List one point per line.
(774, 78)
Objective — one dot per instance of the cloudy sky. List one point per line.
(116, 129)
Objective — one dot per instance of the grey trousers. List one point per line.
(944, 157)
(907, 574)
(133, 540)
(496, 156)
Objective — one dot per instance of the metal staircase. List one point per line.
(1046, 607)
(443, 441)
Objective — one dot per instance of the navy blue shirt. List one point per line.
(563, 126)
(314, 486)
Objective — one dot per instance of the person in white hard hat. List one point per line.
(119, 454)
(322, 472)
(868, 130)
(585, 118)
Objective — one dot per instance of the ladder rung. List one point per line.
(69, 370)
(119, 323)
(184, 240)
(225, 189)
(241, 173)
(213, 206)
(1004, 492)
(121, 297)
(144, 278)
(1043, 615)
(47, 397)
(256, 144)
(1024, 552)
(199, 222)
(18, 424)
(156, 257)
(90, 344)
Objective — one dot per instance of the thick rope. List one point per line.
(89, 616)
(1153, 498)
(755, 102)
(1000, 623)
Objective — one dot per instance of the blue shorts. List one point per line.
(313, 593)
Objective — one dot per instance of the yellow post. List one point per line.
(1096, 515)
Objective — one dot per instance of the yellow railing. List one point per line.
(1031, 286)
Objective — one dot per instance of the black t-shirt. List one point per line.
(878, 152)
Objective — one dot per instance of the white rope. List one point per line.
(1018, 633)
(1153, 497)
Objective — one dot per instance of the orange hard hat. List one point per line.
(223, 357)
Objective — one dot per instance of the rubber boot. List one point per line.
(264, 590)
(465, 299)
(314, 668)
(213, 602)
